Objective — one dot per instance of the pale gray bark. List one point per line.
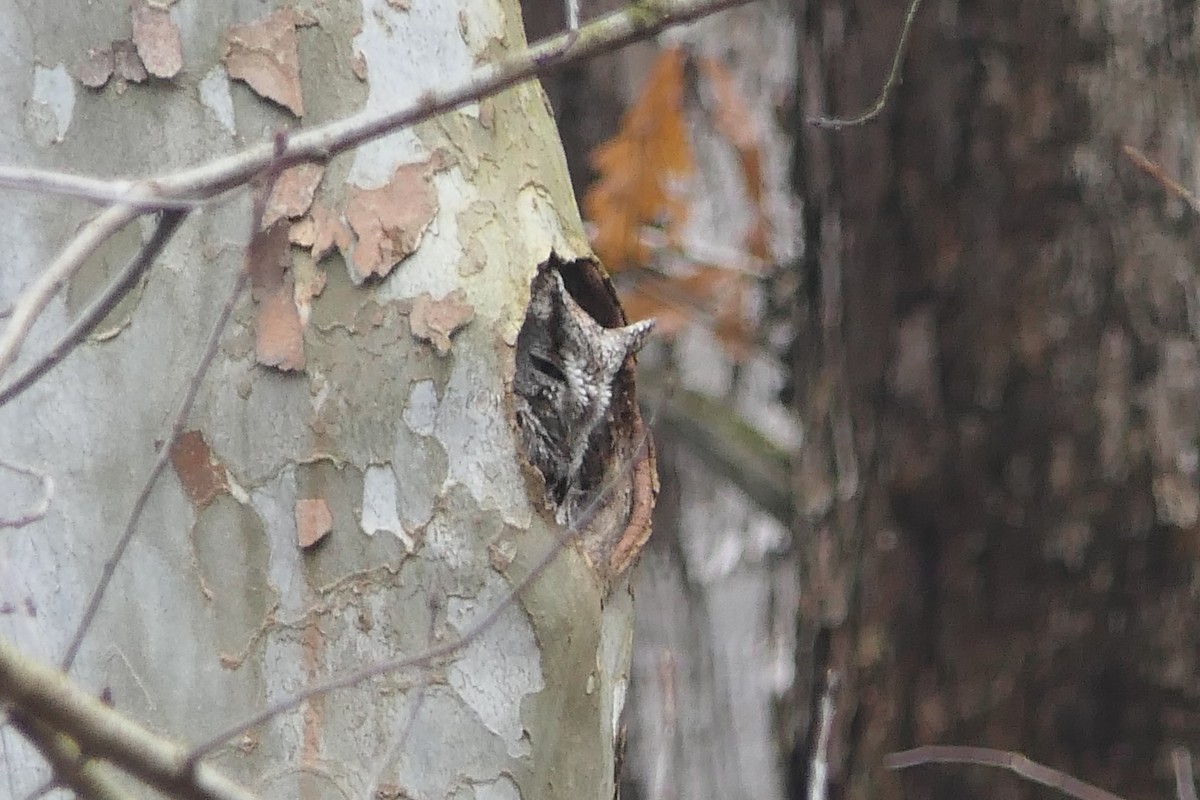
(216, 610)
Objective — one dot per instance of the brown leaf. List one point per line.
(278, 329)
(435, 321)
(265, 54)
(293, 193)
(313, 521)
(157, 40)
(199, 472)
(638, 166)
(388, 222)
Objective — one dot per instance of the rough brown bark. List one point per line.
(1002, 310)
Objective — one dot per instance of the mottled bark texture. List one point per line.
(999, 338)
(350, 488)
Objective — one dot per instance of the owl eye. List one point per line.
(547, 368)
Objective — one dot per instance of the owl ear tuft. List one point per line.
(636, 334)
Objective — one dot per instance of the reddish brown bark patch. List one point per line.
(388, 222)
(265, 54)
(200, 473)
(293, 193)
(435, 321)
(127, 63)
(278, 329)
(96, 67)
(313, 521)
(157, 40)
(329, 230)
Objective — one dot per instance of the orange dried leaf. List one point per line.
(643, 302)
(639, 166)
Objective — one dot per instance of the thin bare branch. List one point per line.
(732, 446)
(326, 141)
(34, 300)
(401, 738)
(889, 83)
(95, 313)
(697, 251)
(142, 195)
(1154, 170)
(181, 416)
(53, 698)
(422, 659)
(1014, 762)
(88, 778)
(160, 463)
(37, 510)
(47, 695)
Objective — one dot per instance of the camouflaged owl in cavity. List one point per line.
(566, 365)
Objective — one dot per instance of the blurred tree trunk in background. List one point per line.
(1003, 309)
(995, 361)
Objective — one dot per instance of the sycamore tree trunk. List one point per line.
(348, 488)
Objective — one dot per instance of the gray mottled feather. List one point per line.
(566, 365)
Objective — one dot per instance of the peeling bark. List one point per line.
(346, 493)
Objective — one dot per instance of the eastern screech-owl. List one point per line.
(566, 365)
